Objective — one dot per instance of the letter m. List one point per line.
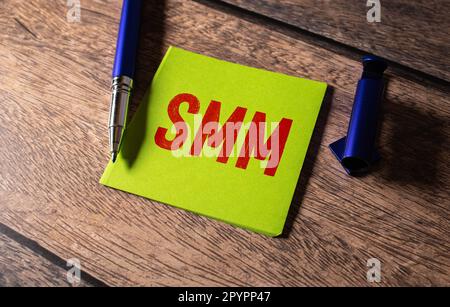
(273, 148)
(226, 135)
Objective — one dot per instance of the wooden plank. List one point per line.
(53, 149)
(413, 33)
(21, 266)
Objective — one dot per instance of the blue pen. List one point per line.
(123, 72)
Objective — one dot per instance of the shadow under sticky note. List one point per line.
(252, 184)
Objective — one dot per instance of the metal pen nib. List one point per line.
(114, 156)
(120, 97)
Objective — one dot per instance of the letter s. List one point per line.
(173, 111)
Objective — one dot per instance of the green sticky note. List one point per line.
(245, 175)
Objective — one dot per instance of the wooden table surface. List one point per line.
(54, 93)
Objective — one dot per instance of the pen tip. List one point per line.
(114, 156)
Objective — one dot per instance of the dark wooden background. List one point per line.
(54, 93)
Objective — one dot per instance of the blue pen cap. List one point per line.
(356, 152)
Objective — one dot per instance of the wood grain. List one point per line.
(413, 33)
(20, 266)
(53, 148)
